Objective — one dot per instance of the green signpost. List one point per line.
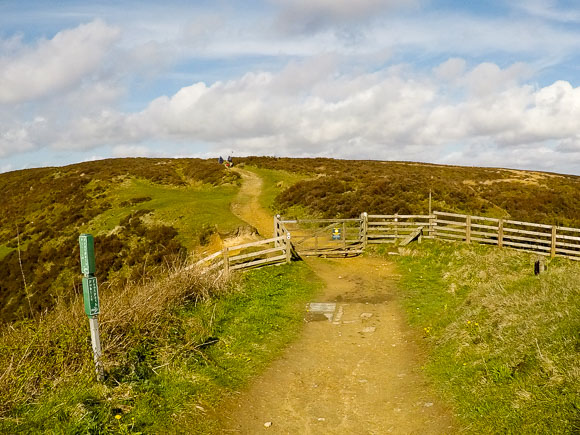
(91, 296)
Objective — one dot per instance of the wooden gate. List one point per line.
(323, 237)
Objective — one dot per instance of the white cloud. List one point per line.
(451, 69)
(549, 9)
(311, 109)
(54, 65)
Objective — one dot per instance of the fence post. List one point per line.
(344, 235)
(500, 233)
(553, 250)
(277, 228)
(364, 228)
(468, 229)
(288, 248)
(432, 226)
(396, 226)
(226, 261)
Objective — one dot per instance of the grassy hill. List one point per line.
(346, 188)
(502, 343)
(143, 212)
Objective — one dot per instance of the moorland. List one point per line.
(501, 343)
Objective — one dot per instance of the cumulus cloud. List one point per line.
(56, 64)
(385, 114)
(309, 108)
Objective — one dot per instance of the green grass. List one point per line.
(177, 375)
(187, 209)
(275, 182)
(503, 343)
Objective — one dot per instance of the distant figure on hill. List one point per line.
(228, 163)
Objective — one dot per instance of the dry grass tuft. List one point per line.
(37, 355)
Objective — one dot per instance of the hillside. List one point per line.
(499, 343)
(143, 212)
(345, 188)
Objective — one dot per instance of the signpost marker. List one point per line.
(91, 297)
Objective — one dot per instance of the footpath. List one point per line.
(356, 369)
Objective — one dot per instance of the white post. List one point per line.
(96, 342)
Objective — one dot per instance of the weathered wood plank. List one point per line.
(455, 223)
(400, 224)
(485, 234)
(568, 251)
(450, 236)
(399, 216)
(441, 213)
(451, 229)
(527, 224)
(574, 230)
(415, 234)
(526, 239)
(485, 227)
(568, 245)
(525, 245)
(482, 218)
(565, 237)
(258, 243)
(256, 254)
(257, 262)
(485, 241)
(528, 232)
(322, 221)
(208, 258)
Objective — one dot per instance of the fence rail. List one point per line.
(312, 237)
(390, 228)
(276, 250)
(548, 240)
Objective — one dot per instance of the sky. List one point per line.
(476, 83)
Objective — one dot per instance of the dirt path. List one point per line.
(247, 205)
(355, 370)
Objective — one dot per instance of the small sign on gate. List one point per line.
(336, 234)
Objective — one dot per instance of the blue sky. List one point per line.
(494, 83)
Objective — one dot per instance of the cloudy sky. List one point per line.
(483, 83)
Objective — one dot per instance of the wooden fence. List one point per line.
(276, 250)
(328, 237)
(390, 228)
(548, 240)
(314, 237)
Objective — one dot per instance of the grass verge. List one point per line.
(173, 349)
(187, 208)
(504, 343)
